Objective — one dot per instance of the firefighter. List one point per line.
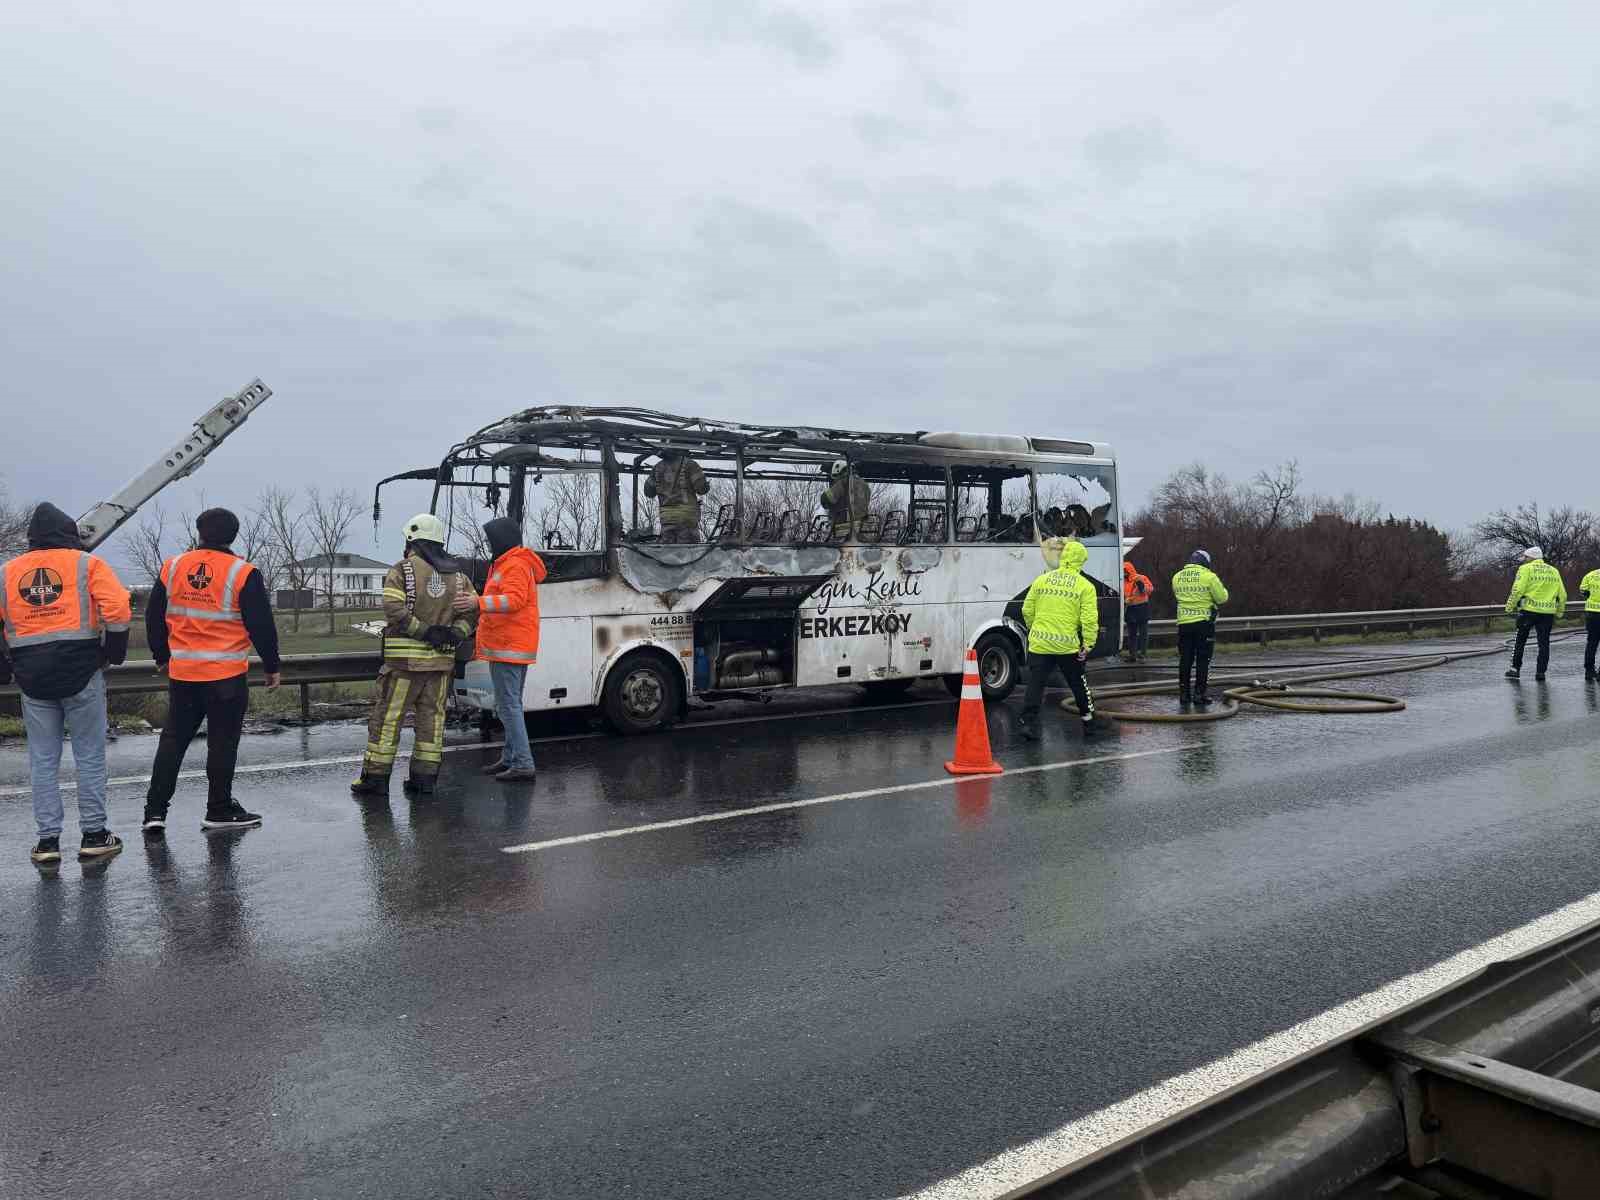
(421, 633)
(676, 483)
(1062, 614)
(64, 614)
(1136, 592)
(508, 639)
(846, 500)
(1537, 595)
(206, 611)
(1199, 593)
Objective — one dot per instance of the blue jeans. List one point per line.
(84, 717)
(508, 680)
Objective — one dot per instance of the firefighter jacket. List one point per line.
(846, 500)
(677, 483)
(1062, 611)
(1199, 594)
(1136, 588)
(1590, 587)
(417, 595)
(508, 631)
(207, 609)
(56, 601)
(1538, 588)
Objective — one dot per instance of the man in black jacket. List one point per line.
(65, 614)
(203, 641)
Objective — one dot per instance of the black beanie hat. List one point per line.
(217, 527)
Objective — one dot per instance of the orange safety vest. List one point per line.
(205, 629)
(49, 596)
(1136, 589)
(508, 629)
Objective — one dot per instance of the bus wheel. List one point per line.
(641, 694)
(999, 665)
(886, 689)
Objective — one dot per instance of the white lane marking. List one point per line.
(782, 806)
(1019, 1170)
(68, 785)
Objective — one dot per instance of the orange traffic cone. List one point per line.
(973, 756)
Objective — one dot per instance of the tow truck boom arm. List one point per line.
(105, 518)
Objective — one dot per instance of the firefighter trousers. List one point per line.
(422, 693)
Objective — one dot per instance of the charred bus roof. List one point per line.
(642, 431)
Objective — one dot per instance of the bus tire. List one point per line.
(643, 693)
(999, 665)
(887, 689)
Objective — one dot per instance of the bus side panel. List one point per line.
(564, 675)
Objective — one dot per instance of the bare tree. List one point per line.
(1568, 536)
(147, 543)
(329, 517)
(13, 526)
(286, 532)
(571, 511)
(256, 545)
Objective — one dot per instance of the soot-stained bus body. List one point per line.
(774, 592)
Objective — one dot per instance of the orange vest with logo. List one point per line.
(205, 629)
(49, 596)
(508, 629)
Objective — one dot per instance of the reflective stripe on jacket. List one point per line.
(60, 596)
(205, 629)
(1136, 589)
(1199, 593)
(1590, 587)
(1062, 611)
(508, 629)
(415, 596)
(1538, 588)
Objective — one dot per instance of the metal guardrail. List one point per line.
(1316, 623)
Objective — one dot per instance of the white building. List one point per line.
(357, 582)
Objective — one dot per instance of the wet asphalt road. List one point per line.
(847, 999)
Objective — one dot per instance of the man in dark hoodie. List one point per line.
(65, 614)
(206, 611)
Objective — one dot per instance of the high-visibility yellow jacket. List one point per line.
(1538, 588)
(1199, 593)
(1590, 587)
(1061, 611)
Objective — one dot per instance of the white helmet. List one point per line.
(839, 467)
(425, 527)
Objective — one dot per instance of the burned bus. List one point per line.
(767, 591)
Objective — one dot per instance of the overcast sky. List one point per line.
(1363, 235)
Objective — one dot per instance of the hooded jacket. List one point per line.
(63, 663)
(1136, 588)
(1062, 611)
(508, 624)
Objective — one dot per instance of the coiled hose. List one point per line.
(1285, 694)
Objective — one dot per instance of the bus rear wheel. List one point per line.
(642, 694)
(999, 667)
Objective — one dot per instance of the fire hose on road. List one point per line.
(1286, 694)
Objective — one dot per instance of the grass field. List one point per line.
(313, 637)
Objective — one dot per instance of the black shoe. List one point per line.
(1514, 673)
(1088, 729)
(495, 768)
(1202, 699)
(232, 817)
(417, 787)
(1539, 678)
(155, 823)
(1590, 675)
(371, 785)
(102, 843)
(517, 775)
(47, 851)
(1027, 731)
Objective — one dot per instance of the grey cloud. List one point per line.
(788, 30)
(1123, 153)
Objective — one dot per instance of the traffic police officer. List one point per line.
(1199, 593)
(1062, 614)
(1590, 587)
(64, 613)
(676, 483)
(420, 637)
(1537, 595)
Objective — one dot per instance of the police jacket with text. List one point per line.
(64, 612)
(1590, 587)
(1199, 594)
(1061, 610)
(1538, 588)
(418, 593)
